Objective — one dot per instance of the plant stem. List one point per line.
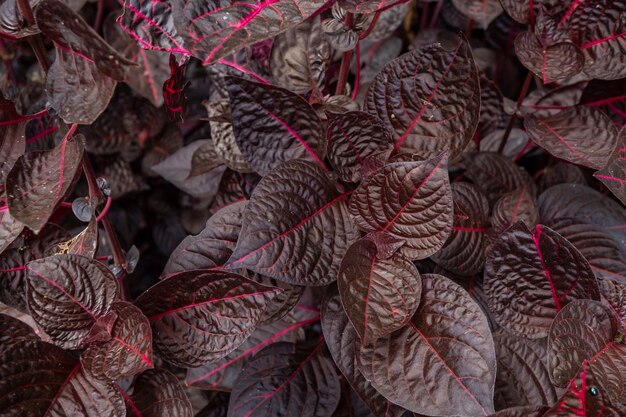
(433, 20)
(99, 16)
(371, 27)
(344, 69)
(36, 42)
(357, 75)
(520, 99)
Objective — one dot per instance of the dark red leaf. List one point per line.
(495, 175)
(358, 144)
(127, 353)
(519, 205)
(40, 179)
(10, 228)
(223, 136)
(67, 294)
(174, 90)
(157, 393)
(528, 411)
(429, 99)
(443, 362)
(273, 125)
(613, 174)
(481, 11)
(463, 251)
(84, 243)
(614, 297)
(379, 296)
(368, 6)
(201, 316)
(542, 271)
(296, 227)
(580, 135)
(12, 139)
(286, 379)
(14, 332)
(562, 173)
(608, 96)
(410, 201)
(491, 109)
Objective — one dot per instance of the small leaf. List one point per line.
(495, 175)
(174, 90)
(206, 316)
(518, 205)
(157, 393)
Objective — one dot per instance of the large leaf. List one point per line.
(587, 331)
(286, 380)
(40, 379)
(613, 174)
(214, 29)
(410, 201)
(523, 377)
(40, 179)
(482, 11)
(296, 227)
(463, 252)
(443, 362)
(358, 144)
(157, 393)
(212, 246)
(201, 316)
(342, 339)
(128, 353)
(580, 135)
(379, 295)
(495, 175)
(67, 295)
(429, 99)
(539, 269)
(614, 297)
(14, 332)
(273, 125)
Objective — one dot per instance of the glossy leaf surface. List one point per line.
(157, 392)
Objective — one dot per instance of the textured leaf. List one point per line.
(12, 139)
(539, 269)
(174, 90)
(223, 136)
(156, 393)
(463, 251)
(212, 246)
(10, 228)
(519, 205)
(66, 28)
(217, 28)
(482, 11)
(296, 227)
(67, 295)
(207, 314)
(562, 173)
(410, 201)
(515, 144)
(40, 179)
(12, 23)
(128, 353)
(14, 332)
(379, 296)
(491, 109)
(523, 377)
(613, 174)
(273, 125)
(222, 374)
(73, 81)
(342, 339)
(608, 96)
(84, 243)
(586, 331)
(552, 63)
(580, 135)
(428, 99)
(495, 175)
(358, 144)
(40, 379)
(284, 380)
(443, 362)
(367, 6)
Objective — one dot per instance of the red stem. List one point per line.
(370, 28)
(99, 16)
(344, 69)
(424, 17)
(433, 20)
(520, 99)
(357, 75)
(105, 210)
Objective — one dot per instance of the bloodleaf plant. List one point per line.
(312, 208)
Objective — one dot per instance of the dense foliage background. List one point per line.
(312, 208)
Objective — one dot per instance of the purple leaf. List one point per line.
(223, 136)
(495, 175)
(10, 228)
(518, 205)
(368, 6)
(613, 174)
(410, 201)
(614, 297)
(12, 139)
(84, 243)
(157, 393)
(14, 332)
(482, 11)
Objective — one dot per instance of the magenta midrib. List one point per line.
(610, 178)
(148, 72)
(142, 356)
(569, 12)
(62, 387)
(535, 238)
(562, 140)
(58, 287)
(129, 401)
(602, 40)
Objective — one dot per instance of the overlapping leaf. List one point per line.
(84, 243)
(542, 271)
(10, 228)
(429, 99)
(518, 205)
(12, 139)
(201, 316)
(482, 11)
(614, 297)
(223, 136)
(296, 227)
(410, 201)
(156, 393)
(613, 174)
(495, 175)
(443, 362)
(367, 6)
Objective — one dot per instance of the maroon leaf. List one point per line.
(206, 316)
(519, 205)
(562, 173)
(608, 96)
(342, 340)
(613, 175)
(285, 379)
(174, 90)
(212, 246)
(223, 136)
(12, 139)
(614, 297)
(580, 135)
(273, 125)
(40, 179)
(528, 411)
(482, 11)
(379, 296)
(358, 144)
(127, 353)
(85, 243)
(491, 109)
(552, 63)
(67, 294)
(40, 379)
(368, 6)
(217, 28)
(586, 332)
(523, 378)
(223, 373)
(410, 201)
(70, 32)
(14, 332)
(541, 270)
(156, 393)
(443, 362)
(463, 251)
(428, 99)
(296, 227)
(10, 228)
